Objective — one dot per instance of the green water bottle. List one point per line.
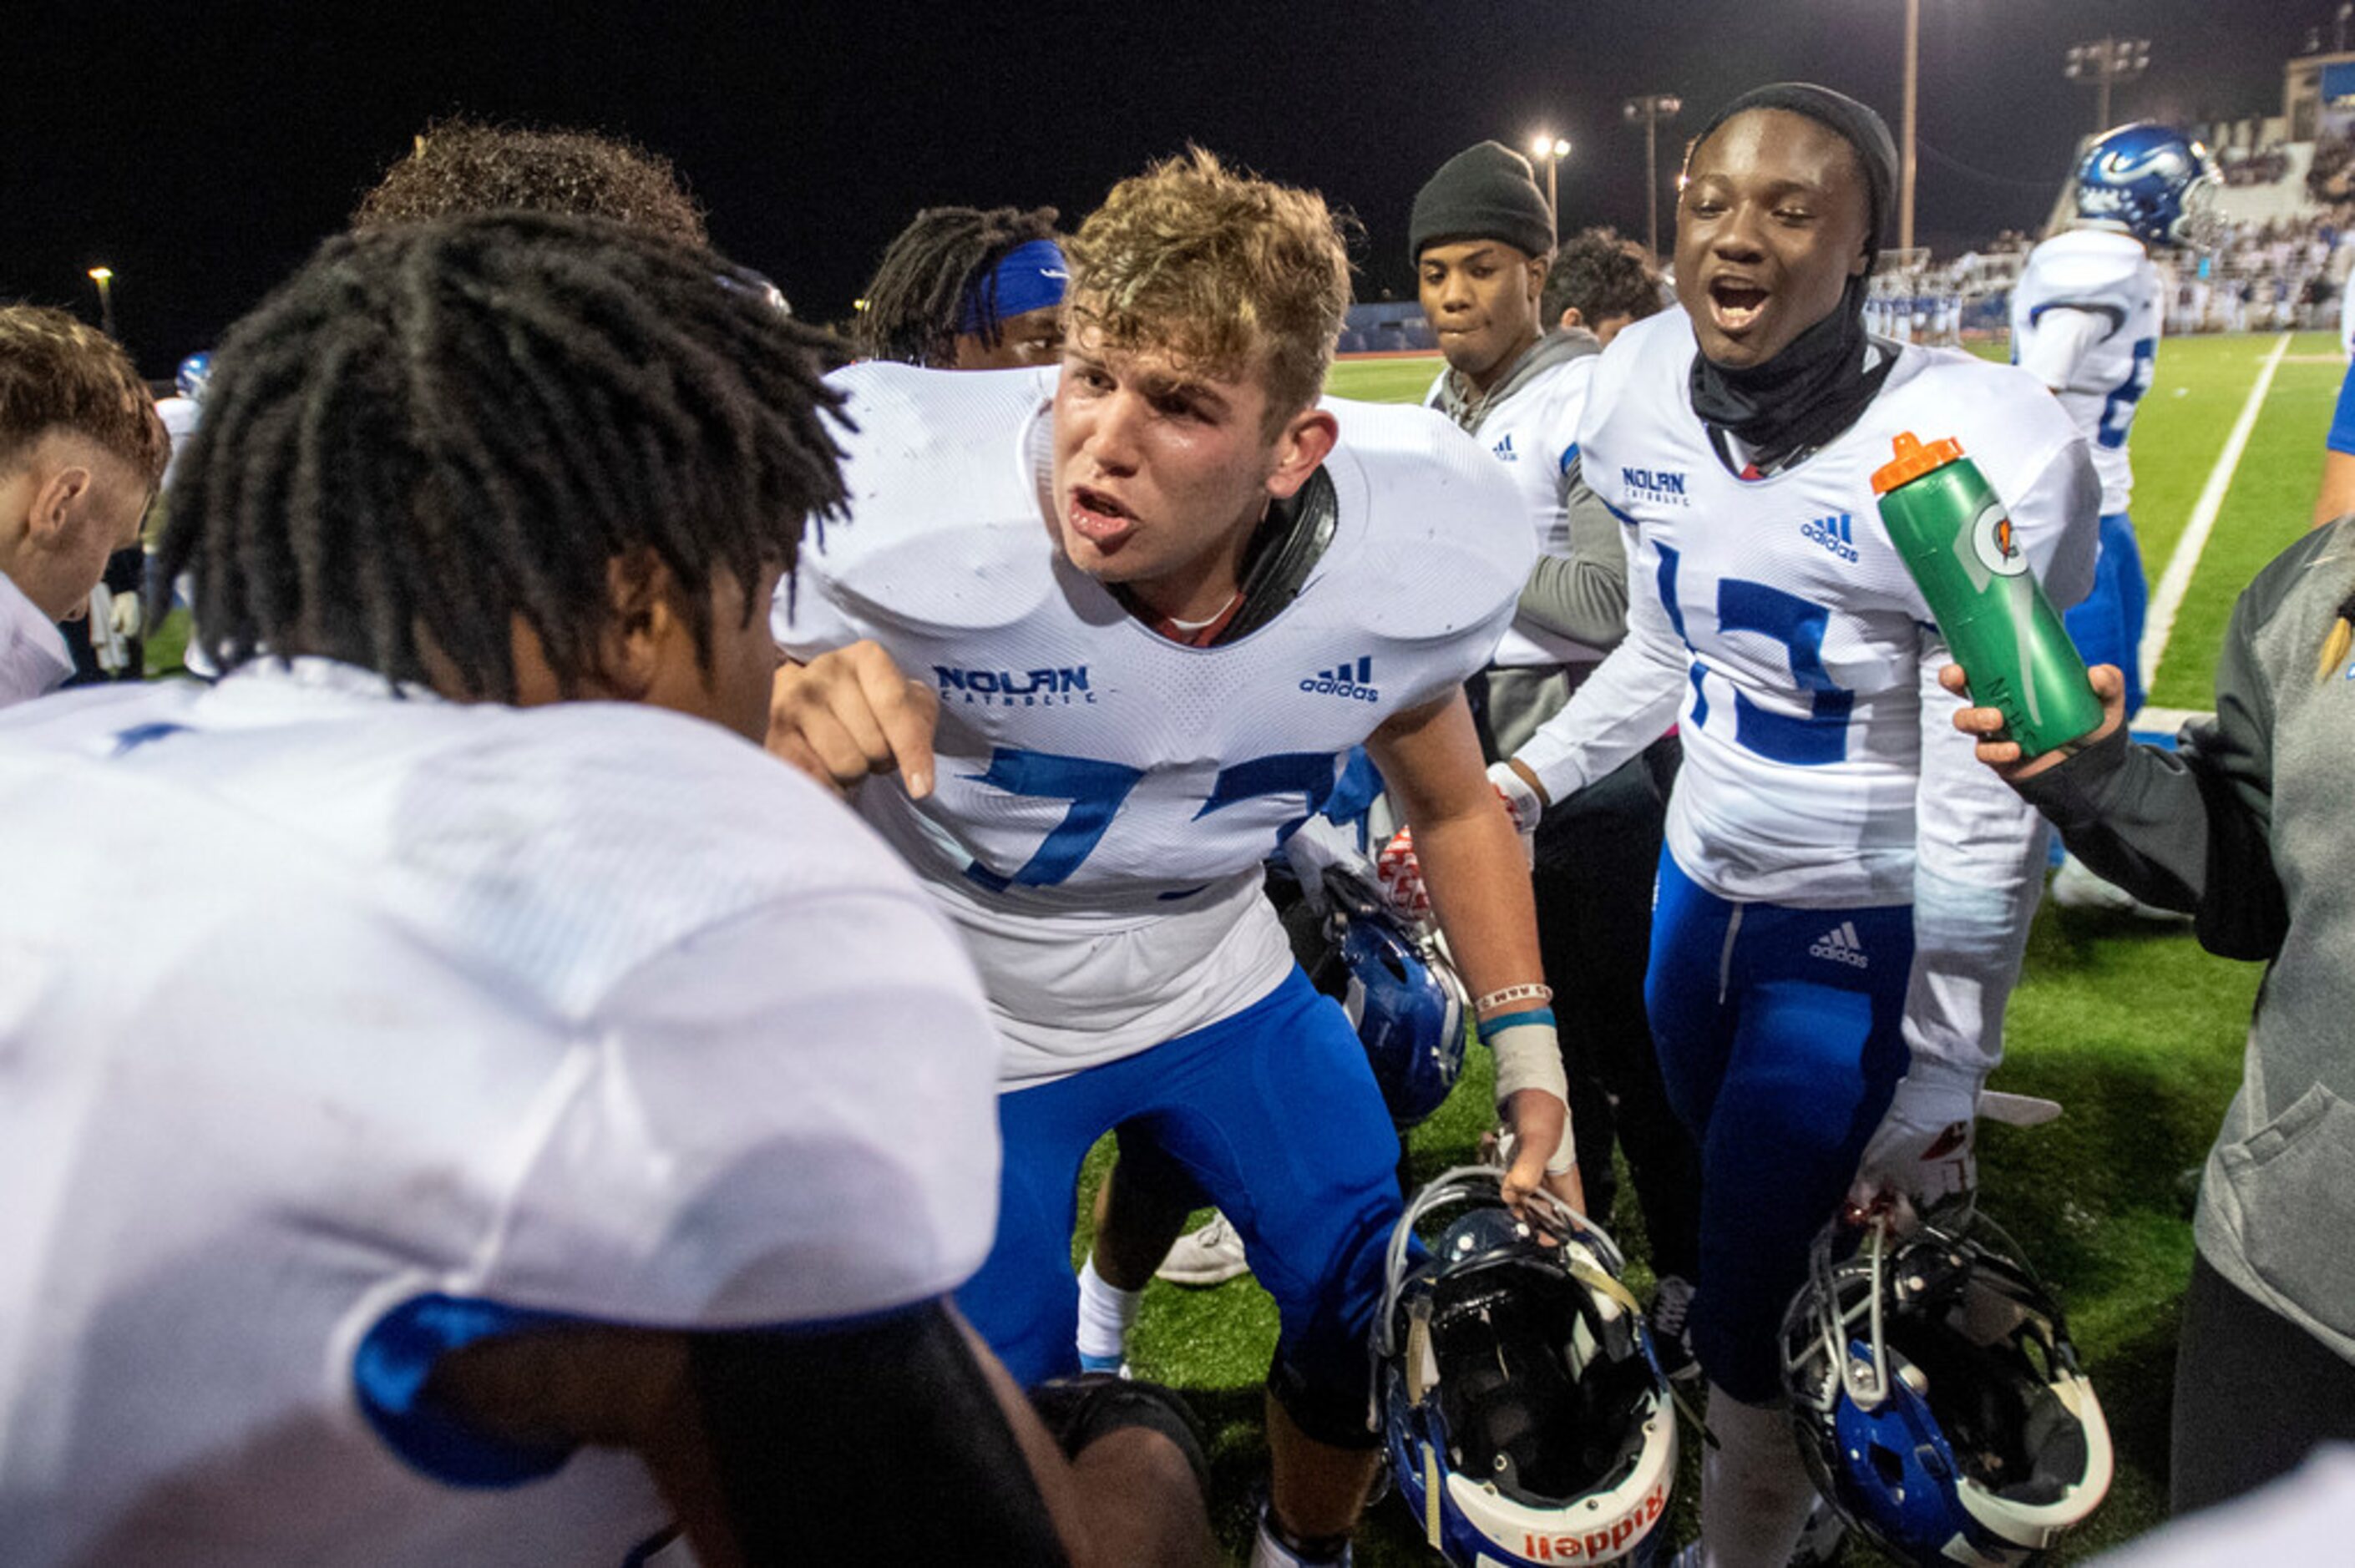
(1955, 538)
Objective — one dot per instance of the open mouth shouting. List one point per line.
(1735, 304)
(1098, 517)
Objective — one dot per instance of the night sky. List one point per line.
(201, 149)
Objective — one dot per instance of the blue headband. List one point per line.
(1031, 278)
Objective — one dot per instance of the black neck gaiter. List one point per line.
(1803, 396)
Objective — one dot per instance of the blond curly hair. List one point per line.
(57, 373)
(1220, 269)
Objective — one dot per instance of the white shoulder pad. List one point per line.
(2008, 423)
(2106, 273)
(1422, 503)
(944, 529)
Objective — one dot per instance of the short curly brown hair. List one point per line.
(460, 166)
(1221, 269)
(57, 374)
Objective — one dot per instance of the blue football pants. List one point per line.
(1780, 1045)
(1273, 1113)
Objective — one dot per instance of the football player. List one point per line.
(1116, 630)
(517, 1114)
(1478, 234)
(966, 289)
(1843, 899)
(81, 451)
(2085, 322)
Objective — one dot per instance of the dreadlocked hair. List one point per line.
(434, 429)
(1225, 272)
(2341, 639)
(918, 288)
(463, 166)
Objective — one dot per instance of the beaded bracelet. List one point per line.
(1540, 994)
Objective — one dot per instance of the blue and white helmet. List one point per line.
(1937, 1398)
(1400, 992)
(1524, 1415)
(195, 371)
(2150, 181)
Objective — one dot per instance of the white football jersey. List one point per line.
(1774, 620)
(313, 1002)
(1533, 432)
(2084, 321)
(1106, 797)
(34, 658)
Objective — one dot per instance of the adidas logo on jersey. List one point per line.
(1833, 534)
(1346, 680)
(1057, 687)
(1841, 946)
(1505, 452)
(1660, 486)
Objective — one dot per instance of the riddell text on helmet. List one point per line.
(1594, 1543)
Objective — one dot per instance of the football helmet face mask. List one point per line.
(1400, 992)
(1525, 1418)
(2153, 182)
(1936, 1395)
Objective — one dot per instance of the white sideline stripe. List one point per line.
(2160, 622)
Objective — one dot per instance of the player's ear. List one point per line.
(1571, 318)
(1305, 443)
(644, 628)
(54, 503)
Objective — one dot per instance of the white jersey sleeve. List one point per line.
(1630, 701)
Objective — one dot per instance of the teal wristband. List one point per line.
(1490, 1027)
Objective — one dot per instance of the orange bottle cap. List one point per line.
(1912, 460)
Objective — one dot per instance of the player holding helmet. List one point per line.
(1125, 626)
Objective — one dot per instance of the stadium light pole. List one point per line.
(1553, 150)
(104, 278)
(2102, 63)
(1651, 108)
(1905, 159)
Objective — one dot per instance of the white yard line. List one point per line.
(2168, 596)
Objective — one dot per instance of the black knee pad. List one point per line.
(1337, 1414)
(1079, 1410)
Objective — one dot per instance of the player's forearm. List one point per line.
(1480, 894)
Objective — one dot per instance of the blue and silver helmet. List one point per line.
(195, 371)
(2150, 181)
(1401, 992)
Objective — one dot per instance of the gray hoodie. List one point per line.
(2250, 829)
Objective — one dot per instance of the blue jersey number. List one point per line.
(1798, 626)
(2118, 409)
(1096, 790)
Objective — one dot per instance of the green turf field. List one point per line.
(2134, 1028)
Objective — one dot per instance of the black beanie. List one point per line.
(1485, 192)
(1853, 123)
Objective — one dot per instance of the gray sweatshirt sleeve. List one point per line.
(1582, 595)
(2190, 830)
